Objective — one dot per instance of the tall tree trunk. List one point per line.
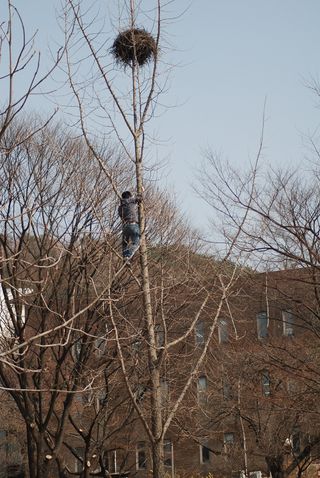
(156, 406)
(158, 459)
(31, 453)
(275, 466)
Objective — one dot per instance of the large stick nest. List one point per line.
(132, 45)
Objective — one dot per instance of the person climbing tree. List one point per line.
(128, 213)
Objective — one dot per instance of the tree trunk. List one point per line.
(156, 406)
(158, 459)
(31, 453)
(86, 468)
(275, 466)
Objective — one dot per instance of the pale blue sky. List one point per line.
(233, 54)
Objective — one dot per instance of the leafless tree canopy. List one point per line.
(20, 62)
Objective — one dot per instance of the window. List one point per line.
(167, 452)
(226, 389)
(109, 460)
(79, 398)
(288, 323)
(4, 446)
(100, 346)
(262, 325)
(137, 342)
(101, 398)
(295, 441)
(204, 453)
(112, 461)
(228, 438)
(88, 396)
(79, 459)
(76, 350)
(136, 345)
(105, 459)
(141, 457)
(266, 385)
(223, 334)
(202, 388)
(199, 332)
(164, 392)
(139, 392)
(228, 441)
(159, 335)
(202, 383)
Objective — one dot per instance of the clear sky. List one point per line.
(232, 55)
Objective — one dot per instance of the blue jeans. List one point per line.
(130, 239)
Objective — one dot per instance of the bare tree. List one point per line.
(57, 219)
(60, 263)
(118, 96)
(272, 218)
(20, 63)
(256, 402)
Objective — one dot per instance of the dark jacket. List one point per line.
(128, 211)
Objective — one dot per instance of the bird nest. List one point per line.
(132, 45)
